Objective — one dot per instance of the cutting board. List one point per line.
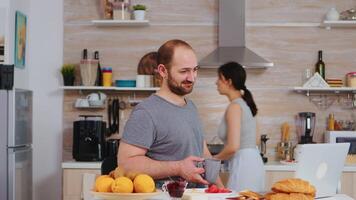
(200, 194)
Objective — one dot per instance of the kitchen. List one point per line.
(286, 33)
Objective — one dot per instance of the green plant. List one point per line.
(139, 7)
(68, 69)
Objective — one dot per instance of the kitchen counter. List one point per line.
(270, 166)
(81, 165)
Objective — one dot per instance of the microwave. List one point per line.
(342, 137)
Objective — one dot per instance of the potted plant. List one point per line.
(139, 11)
(68, 71)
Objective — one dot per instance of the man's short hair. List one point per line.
(166, 51)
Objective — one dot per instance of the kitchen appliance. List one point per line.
(263, 147)
(111, 147)
(231, 39)
(15, 139)
(89, 138)
(344, 137)
(305, 124)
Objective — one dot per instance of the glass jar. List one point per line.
(351, 79)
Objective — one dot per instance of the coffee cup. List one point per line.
(212, 169)
(99, 96)
(140, 81)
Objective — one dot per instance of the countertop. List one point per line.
(269, 166)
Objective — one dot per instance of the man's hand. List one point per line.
(190, 172)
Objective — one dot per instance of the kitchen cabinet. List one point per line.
(72, 182)
(73, 175)
(106, 23)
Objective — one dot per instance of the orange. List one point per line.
(144, 183)
(122, 185)
(103, 183)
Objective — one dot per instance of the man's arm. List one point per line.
(133, 158)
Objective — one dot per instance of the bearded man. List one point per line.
(163, 136)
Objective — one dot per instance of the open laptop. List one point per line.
(321, 165)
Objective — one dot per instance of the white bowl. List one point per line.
(96, 102)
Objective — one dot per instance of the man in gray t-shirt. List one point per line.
(168, 131)
(163, 136)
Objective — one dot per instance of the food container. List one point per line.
(107, 76)
(351, 79)
(125, 83)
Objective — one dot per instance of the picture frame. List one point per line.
(20, 39)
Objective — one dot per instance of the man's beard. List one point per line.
(178, 89)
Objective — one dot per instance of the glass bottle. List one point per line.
(99, 77)
(320, 65)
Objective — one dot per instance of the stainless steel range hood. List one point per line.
(231, 44)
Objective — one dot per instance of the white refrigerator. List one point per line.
(16, 144)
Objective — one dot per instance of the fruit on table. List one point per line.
(214, 189)
(119, 172)
(103, 183)
(131, 175)
(122, 185)
(144, 183)
(123, 181)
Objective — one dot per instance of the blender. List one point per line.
(305, 127)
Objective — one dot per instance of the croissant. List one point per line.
(294, 185)
(251, 195)
(286, 196)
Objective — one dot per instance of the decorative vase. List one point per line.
(332, 15)
(68, 80)
(139, 14)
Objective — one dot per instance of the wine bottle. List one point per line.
(85, 54)
(320, 65)
(99, 77)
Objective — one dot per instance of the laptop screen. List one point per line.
(321, 165)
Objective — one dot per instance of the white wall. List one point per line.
(46, 53)
(21, 79)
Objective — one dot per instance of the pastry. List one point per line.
(294, 185)
(286, 196)
(250, 194)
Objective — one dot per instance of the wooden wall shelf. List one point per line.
(100, 88)
(111, 22)
(339, 24)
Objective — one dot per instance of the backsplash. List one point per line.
(292, 49)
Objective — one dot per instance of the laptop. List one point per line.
(321, 165)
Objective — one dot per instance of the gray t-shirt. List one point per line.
(169, 132)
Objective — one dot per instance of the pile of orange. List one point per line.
(119, 181)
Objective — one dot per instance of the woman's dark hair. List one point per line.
(237, 74)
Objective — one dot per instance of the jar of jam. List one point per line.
(351, 79)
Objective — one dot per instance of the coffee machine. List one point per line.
(305, 127)
(89, 138)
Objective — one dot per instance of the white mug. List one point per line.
(99, 96)
(140, 81)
